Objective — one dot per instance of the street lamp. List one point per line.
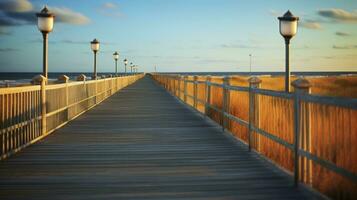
(125, 64)
(131, 67)
(95, 48)
(45, 21)
(250, 64)
(116, 57)
(288, 27)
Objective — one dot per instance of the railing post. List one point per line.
(185, 89)
(65, 79)
(254, 82)
(302, 132)
(96, 91)
(179, 86)
(195, 86)
(81, 77)
(42, 81)
(225, 103)
(208, 94)
(173, 85)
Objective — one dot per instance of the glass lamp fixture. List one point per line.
(94, 45)
(288, 24)
(116, 55)
(45, 20)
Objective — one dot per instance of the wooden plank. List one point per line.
(141, 143)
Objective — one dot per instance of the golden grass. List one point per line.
(333, 129)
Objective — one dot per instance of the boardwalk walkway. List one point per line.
(142, 143)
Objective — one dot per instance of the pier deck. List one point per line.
(142, 143)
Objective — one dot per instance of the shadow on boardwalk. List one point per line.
(141, 143)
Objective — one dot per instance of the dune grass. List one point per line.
(333, 129)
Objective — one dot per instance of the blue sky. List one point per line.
(180, 35)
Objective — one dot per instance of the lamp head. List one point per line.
(94, 45)
(288, 24)
(45, 20)
(116, 55)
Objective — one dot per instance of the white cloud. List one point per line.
(311, 25)
(344, 46)
(22, 12)
(15, 5)
(342, 34)
(339, 15)
(68, 16)
(110, 5)
(110, 9)
(274, 13)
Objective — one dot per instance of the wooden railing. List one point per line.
(30, 113)
(314, 137)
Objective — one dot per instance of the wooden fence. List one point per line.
(314, 137)
(29, 113)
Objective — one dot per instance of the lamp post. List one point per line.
(288, 27)
(95, 48)
(125, 64)
(250, 64)
(116, 57)
(45, 21)
(131, 67)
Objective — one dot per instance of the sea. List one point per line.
(21, 78)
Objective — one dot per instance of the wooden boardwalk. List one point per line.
(142, 143)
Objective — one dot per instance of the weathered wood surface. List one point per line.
(141, 143)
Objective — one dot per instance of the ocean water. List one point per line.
(16, 78)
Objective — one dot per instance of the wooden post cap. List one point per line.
(63, 79)
(81, 77)
(301, 83)
(254, 80)
(38, 79)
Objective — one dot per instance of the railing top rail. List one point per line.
(11, 90)
(334, 101)
(55, 86)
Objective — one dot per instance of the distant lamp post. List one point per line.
(250, 64)
(288, 24)
(95, 48)
(45, 21)
(131, 67)
(116, 57)
(125, 63)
